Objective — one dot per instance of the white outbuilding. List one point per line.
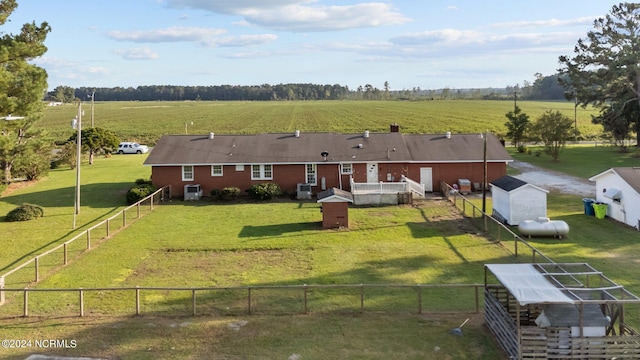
(619, 188)
(515, 200)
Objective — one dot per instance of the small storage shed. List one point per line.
(558, 311)
(335, 207)
(515, 200)
(619, 188)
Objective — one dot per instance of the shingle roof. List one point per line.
(334, 192)
(508, 183)
(307, 148)
(631, 175)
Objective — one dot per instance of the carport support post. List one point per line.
(519, 342)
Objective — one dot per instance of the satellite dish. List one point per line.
(324, 154)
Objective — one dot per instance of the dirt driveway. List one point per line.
(554, 181)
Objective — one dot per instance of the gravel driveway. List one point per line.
(554, 181)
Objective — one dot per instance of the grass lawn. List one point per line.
(582, 161)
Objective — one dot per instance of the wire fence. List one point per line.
(247, 300)
(36, 268)
(493, 227)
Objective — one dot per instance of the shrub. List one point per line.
(143, 182)
(25, 212)
(230, 193)
(139, 192)
(264, 191)
(216, 194)
(522, 149)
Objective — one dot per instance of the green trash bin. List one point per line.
(600, 209)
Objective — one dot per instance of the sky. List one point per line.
(430, 44)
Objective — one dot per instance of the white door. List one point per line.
(426, 178)
(372, 172)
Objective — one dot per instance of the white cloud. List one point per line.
(545, 23)
(302, 15)
(240, 41)
(171, 34)
(142, 53)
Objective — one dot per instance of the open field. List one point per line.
(147, 121)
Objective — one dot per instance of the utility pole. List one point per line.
(92, 96)
(77, 123)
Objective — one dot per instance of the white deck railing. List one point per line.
(407, 185)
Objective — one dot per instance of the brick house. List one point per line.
(324, 160)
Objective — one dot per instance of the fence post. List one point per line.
(361, 298)
(464, 208)
(26, 302)
(124, 218)
(193, 301)
(137, 300)
(151, 203)
(1, 291)
(249, 301)
(419, 299)
(108, 223)
(477, 300)
(88, 239)
(138, 208)
(515, 240)
(37, 272)
(306, 309)
(65, 253)
(81, 303)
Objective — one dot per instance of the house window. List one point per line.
(347, 168)
(187, 173)
(311, 174)
(262, 172)
(216, 170)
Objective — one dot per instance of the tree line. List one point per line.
(543, 88)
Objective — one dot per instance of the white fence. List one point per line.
(406, 185)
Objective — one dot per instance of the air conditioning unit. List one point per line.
(304, 191)
(192, 192)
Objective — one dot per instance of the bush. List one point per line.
(25, 212)
(143, 182)
(216, 194)
(230, 193)
(264, 191)
(139, 192)
(522, 149)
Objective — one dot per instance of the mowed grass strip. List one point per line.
(315, 337)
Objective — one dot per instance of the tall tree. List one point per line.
(22, 86)
(605, 68)
(516, 125)
(554, 129)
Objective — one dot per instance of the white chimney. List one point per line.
(366, 133)
(211, 135)
(448, 134)
(297, 133)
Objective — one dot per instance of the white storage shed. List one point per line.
(619, 188)
(515, 200)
